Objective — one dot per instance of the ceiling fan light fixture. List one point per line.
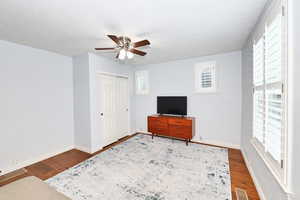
(129, 55)
(122, 54)
(125, 48)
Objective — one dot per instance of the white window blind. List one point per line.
(258, 83)
(273, 51)
(274, 83)
(142, 82)
(274, 119)
(259, 115)
(268, 97)
(205, 77)
(258, 59)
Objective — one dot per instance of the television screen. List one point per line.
(172, 105)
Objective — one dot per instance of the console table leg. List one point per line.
(187, 142)
(152, 136)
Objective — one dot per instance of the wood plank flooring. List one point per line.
(240, 176)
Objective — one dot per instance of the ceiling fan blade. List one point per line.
(104, 48)
(138, 52)
(114, 38)
(141, 43)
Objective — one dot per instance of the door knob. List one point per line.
(101, 114)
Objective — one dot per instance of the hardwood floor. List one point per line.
(240, 176)
(52, 166)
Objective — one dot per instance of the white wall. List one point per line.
(294, 98)
(218, 116)
(36, 109)
(82, 115)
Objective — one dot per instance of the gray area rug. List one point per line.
(142, 168)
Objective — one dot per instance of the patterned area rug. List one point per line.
(142, 168)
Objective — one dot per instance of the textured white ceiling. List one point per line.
(177, 29)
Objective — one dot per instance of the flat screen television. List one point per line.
(176, 105)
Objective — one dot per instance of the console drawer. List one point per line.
(183, 132)
(157, 125)
(180, 122)
(158, 122)
(162, 131)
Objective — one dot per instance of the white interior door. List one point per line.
(107, 109)
(122, 106)
(112, 100)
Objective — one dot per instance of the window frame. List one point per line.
(199, 68)
(145, 74)
(279, 170)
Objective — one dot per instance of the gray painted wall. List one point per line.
(36, 109)
(82, 115)
(218, 115)
(294, 99)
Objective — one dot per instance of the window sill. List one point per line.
(270, 167)
(142, 94)
(205, 92)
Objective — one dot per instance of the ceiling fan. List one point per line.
(125, 47)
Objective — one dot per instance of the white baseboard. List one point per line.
(145, 132)
(84, 149)
(218, 143)
(93, 150)
(208, 142)
(35, 160)
(255, 180)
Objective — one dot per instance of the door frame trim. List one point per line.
(112, 74)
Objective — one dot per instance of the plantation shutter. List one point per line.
(258, 59)
(259, 115)
(273, 51)
(274, 123)
(141, 82)
(205, 77)
(274, 89)
(258, 96)
(269, 89)
(268, 97)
